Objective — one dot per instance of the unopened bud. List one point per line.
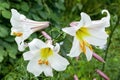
(96, 56)
(74, 24)
(75, 77)
(46, 35)
(102, 74)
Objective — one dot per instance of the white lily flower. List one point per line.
(87, 33)
(43, 57)
(22, 28)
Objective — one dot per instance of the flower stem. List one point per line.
(109, 43)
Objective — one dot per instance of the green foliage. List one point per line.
(60, 13)
(3, 31)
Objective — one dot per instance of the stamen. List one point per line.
(40, 61)
(46, 62)
(18, 34)
(83, 45)
(43, 62)
(44, 54)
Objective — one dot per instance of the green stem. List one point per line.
(109, 42)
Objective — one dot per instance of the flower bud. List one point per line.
(102, 74)
(96, 56)
(73, 24)
(75, 77)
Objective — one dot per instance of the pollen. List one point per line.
(82, 32)
(18, 34)
(46, 52)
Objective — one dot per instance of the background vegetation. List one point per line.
(60, 13)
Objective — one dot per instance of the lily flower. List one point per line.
(22, 28)
(87, 33)
(43, 57)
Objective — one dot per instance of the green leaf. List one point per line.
(12, 50)
(3, 31)
(2, 53)
(5, 5)
(2, 8)
(9, 39)
(11, 76)
(43, 15)
(6, 14)
(24, 6)
(60, 5)
(35, 17)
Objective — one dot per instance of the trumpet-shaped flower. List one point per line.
(43, 57)
(22, 28)
(87, 33)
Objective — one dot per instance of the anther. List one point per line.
(18, 34)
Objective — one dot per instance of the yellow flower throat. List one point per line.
(80, 34)
(44, 54)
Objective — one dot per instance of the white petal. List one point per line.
(47, 70)
(101, 24)
(30, 54)
(20, 43)
(107, 18)
(16, 19)
(26, 32)
(15, 14)
(88, 54)
(97, 38)
(75, 50)
(104, 22)
(34, 67)
(57, 48)
(101, 34)
(85, 18)
(70, 30)
(96, 41)
(36, 44)
(36, 24)
(58, 62)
